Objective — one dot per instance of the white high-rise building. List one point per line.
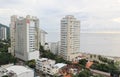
(43, 37)
(70, 37)
(58, 47)
(25, 37)
(53, 47)
(3, 33)
(12, 34)
(46, 47)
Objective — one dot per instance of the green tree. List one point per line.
(85, 73)
(98, 76)
(5, 76)
(6, 58)
(55, 75)
(41, 48)
(4, 47)
(31, 63)
(83, 62)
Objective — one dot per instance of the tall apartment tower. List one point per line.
(43, 37)
(70, 37)
(25, 37)
(12, 34)
(3, 33)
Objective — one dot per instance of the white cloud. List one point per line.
(116, 20)
(9, 11)
(95, 15)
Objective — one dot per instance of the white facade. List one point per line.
(3, 33)
(70, 37)
(16, 71)
(12, 34)
(58, 47)
(45, 65)
(25, 38)
(46, 47)
(57, 67)
(53, 47)
(48, 66)
(43, 37)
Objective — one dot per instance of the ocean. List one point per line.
(107, 44)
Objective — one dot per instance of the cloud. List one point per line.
(95, 15)
(9, 11)
(116, 20)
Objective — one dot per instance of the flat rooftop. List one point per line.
(18, 69)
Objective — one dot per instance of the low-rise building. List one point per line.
(16, 71)
(48, 66)
(70, 69)
(57, 67)
(44, 65)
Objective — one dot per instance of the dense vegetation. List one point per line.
(82, 63)
(85, 73)
(105, 60)
(30, 63)
(5, 57)
(4, 45)
(5, 76)
(105, 65)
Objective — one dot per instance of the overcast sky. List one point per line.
(95, 15)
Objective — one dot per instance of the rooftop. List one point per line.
(60, 65)
(18, 69)
(43, 31)
(46, 59)
(42, 59)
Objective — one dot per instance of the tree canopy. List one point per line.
(5, 57)
(85, 73)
